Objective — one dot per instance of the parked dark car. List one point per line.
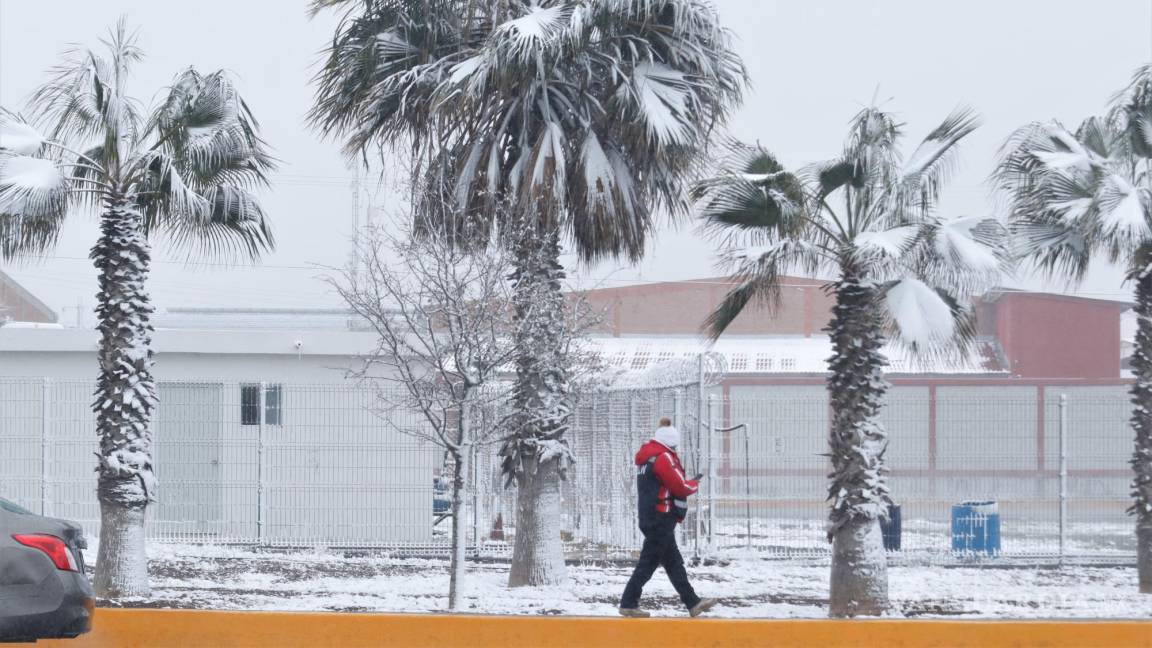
(44, 593)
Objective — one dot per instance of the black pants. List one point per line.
(659, 550)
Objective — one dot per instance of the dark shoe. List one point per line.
(703, 606)
(634, 613)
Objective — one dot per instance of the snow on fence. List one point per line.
(281, 464)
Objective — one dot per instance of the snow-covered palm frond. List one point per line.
(963, 257)
(597, 107)
(1068, 198)
(1124, 212)
(549, 167)
(684, 34)
(929, 166)
(919, 315)
(385, 65)
(959, 243)
(758, 271)
(1103, 138)
(754, 192)
(193, 181)
(72, 101)
(871, 147)
(1131, 110)
(234, 223)
(884, 245)
(1056, 250)
(614, 223)
(527, 41)
(31, 187)
(830, 176)
(33, 203)
(928, 324)
(164, 194)
(209, 132)
(662, 99)
(83, 98)
(17, 136)
(464, 70)
(936, 146)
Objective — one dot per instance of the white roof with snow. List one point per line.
(757, 355)
(262, 319)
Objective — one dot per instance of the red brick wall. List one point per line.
(1051, 336)
(680, 308)
(16, 305)
(1043, 336)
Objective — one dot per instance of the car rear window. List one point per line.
(14, 508)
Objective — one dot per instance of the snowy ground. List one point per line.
(931, 541)
(201, 576)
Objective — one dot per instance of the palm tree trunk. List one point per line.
(536, 456)
(1142, 425)
(124, 399)
(858, 489)
(538, 554)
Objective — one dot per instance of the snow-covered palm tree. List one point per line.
(554, 120)
(900, 271)
(1078, 195)
(185, 170)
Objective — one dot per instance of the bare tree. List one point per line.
(442, 312)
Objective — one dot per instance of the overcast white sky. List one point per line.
(813, 64)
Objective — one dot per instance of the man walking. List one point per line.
(662, 494)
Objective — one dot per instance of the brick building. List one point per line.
(19, 305)
(1022, 335)
(987, 427)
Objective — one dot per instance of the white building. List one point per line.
(259, 436)
(232, 345)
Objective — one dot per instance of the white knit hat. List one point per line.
(668, 436)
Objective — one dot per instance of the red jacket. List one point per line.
(668, 471)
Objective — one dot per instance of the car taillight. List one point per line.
(51, 545)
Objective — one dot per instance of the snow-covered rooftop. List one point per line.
(758, 355)
(264, 319)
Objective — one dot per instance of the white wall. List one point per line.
(330, 473)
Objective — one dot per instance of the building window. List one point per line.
(250, 405)
(273, 405)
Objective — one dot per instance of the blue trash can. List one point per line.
(976, 527)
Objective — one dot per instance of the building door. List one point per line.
(187, 452)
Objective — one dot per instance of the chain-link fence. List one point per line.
(284, 464)
(236, 462)
(949, 446)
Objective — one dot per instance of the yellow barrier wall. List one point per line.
(211, 629)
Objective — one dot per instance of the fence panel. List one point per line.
(313, 464)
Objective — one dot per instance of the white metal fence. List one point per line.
(947, 445)
(247, 463)
(286, 464)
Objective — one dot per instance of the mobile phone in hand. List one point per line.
(698, 477)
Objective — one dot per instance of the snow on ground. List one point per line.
(206, 576)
